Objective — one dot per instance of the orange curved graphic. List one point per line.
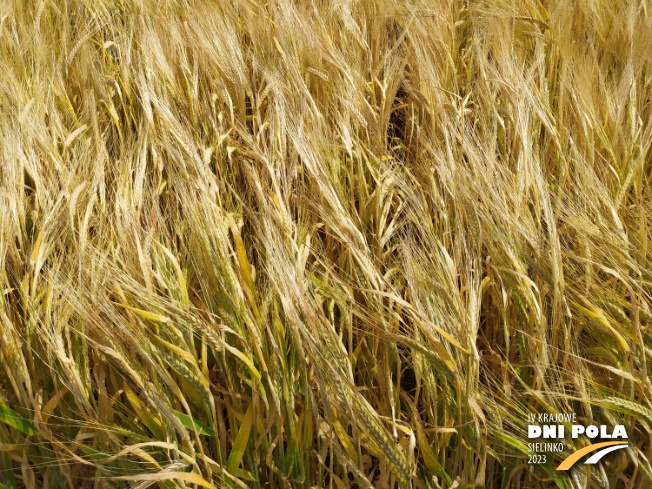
(574, 457)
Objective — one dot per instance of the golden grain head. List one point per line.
(312, 244)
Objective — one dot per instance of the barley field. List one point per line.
(323, 243)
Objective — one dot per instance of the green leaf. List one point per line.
(559, 480)
(430, 459)
(240, 443)
(193, 424)
(290, 456)
(15, 420)
(242, 474)
(152, 423)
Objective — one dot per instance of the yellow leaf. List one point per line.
(345, 439)
(146, 314)
(167, 476)
(240, 443)
(153, 424)
(598, 316)
(51, 404)
(244, 358)
(37, 246)
(177, 270)
(178, 351)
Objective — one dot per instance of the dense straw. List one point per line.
(315, 243)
